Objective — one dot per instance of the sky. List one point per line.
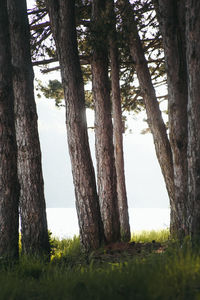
(144, 181)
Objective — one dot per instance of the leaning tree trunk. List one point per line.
(193, 65)
(172, 25)
(118, 127)
(155, 121)
(62, 18)
(9, 189)
(106, 172)
(32, 203)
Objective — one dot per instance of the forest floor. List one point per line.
(150, 267)
(122, 251)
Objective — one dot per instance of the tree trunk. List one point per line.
(32, 203)
(9, 189)
(193, 65)
(118, 127)
(172, 24)
(155, 121)
(62, 18)
(106, 172)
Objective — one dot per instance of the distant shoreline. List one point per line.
(63, 223)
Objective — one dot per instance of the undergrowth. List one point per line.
(144, 236)
(171, 274)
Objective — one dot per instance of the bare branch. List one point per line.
(84, 60)
(50, 70)
(44, 61)
(39, 26)
(34, 12)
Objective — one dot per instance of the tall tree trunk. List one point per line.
(9, 189)
(106, 172)
(32, 203)
(172, 24)
(62, 18)
(193, 65)
(155, 121)
(118, 127)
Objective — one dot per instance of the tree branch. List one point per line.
(39, 26)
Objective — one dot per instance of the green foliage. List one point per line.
(53, 90)
(172, 274)
(90, 37)
(67, 251)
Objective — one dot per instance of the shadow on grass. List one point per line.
(171, 274)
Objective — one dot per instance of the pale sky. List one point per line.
(145, 185)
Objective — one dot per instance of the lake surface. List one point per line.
(63, 223)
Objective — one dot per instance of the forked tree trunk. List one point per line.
(193, 65)
(32, 203)
(9, 188)
(106, 172)
(155, 121)
(118, 127)
(172, 24)
(62, 18)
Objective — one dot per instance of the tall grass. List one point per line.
(173, 274)
(149, 236)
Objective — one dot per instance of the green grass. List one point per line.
(149, 236)
(173, 274)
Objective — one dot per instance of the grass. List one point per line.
(144, 236)
(173, 274)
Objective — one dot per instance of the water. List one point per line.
(63, 223)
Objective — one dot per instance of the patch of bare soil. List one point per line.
(122, 251)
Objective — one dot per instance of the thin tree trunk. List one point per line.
(118, 127)
(106, 172)
(9, 188)
(62, 18)
(172, 24)
(193, 65)
(32, 203)
(155, 121)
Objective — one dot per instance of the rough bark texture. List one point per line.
(62, 18)
(118, 127)
(9, 189)
(32, 203)
(155, 121)
(106, 172)
(193, 65)
(172, 24)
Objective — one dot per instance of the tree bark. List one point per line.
(155, 121)
(106, 172)
(193, 66)
(62, 18)
(9, 188)
(118, 126)
(32, 203)
(172, 25)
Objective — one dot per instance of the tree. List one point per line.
(32, 203)
(180, 42)
(193, 77)
(106, 172)
(9, 187)
(62, 18)
(155, 120)
(171, 16)
(118, 125)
